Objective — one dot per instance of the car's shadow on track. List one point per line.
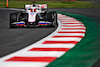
(32, 27)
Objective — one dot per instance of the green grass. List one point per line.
(51, 4)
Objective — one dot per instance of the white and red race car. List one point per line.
(33, 15)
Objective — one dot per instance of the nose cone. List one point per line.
(31, 17)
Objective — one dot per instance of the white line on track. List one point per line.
(56, 45)
(74, 27)
(23, 64)
(40, 54)
(70, 22)
(64, 39)
(72, 30)
(69, 34)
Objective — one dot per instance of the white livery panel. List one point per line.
(31, 17)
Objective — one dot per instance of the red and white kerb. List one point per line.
(69, 32)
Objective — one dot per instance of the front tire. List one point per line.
(13, 18)
(52, 16)
(55, 23)
(37, 19)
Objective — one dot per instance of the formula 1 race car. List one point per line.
(33, 15)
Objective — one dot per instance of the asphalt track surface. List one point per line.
(14, 39)
(90, 12)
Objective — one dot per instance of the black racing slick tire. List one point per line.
(13, 18)
(37, 19)
(55, 16)
(55, 23)
(52, 16)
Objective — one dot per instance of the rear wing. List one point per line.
(27, 6)
(42, 6)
